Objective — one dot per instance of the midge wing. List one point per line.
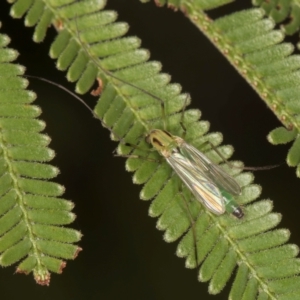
(199, 184)
(212, 171)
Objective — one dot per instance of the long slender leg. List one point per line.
(192, 221)
(137, 156)
(182, 116)
(237, 167)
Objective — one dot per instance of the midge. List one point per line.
(208, 182)
(210, 185)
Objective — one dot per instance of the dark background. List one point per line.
(124, 255)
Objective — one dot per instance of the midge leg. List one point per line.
(139, 156)
(264, 168)
(213, 147)
(182, 115)
(192, 221)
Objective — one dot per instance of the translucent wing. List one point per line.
(199, 184)
(212, 171)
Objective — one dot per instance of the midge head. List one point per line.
(238, 213)
(162, 141)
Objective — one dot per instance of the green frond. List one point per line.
(282, 11)
(223, 244)
(202, 4)
(250, 43)
(30, 211)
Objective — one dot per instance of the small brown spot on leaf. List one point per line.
(98, 90)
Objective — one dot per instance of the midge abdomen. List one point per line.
(231, 205)
(212, 186)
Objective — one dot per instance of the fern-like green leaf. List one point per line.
(282, 10)
(30, 211)
(223, 244)
(250, 43)
(202, 4)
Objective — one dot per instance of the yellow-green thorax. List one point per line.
(163, 141)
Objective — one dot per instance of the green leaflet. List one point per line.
(281, 10)
(223, 245)
(252, 45)
(201, 4)
(29, 208)
(248, 40)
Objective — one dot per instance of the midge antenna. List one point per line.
(69, 92)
